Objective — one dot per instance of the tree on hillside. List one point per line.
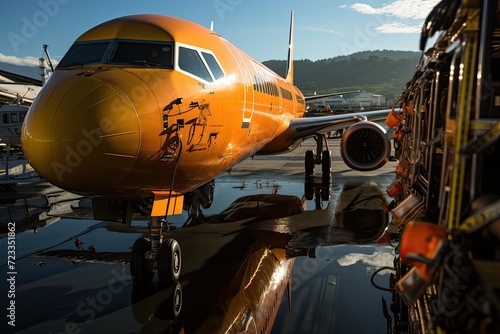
(381, 72)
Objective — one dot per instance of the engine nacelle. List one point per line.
(364, 146)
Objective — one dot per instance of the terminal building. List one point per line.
(354, 102)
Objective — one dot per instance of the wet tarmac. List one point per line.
(276, 252)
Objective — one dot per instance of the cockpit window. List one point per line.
(84, 53)
(191, 62)
(123, 52)
(152, 54)
(213, 65)
(143, 53)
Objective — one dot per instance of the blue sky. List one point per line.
(323, 28)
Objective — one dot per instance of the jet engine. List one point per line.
(364, 146)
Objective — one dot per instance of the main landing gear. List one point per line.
(155, 254)
(322, 156)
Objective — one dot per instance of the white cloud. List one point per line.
(398, 28)
(26, 61)
(329, 31)
(366, 9)
(376, 259)
(404, 9)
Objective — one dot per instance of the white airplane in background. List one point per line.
(15, 99)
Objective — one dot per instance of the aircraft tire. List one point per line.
(309, 162)
(326, 163)
(169, 262)
(139, 269)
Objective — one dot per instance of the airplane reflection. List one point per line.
(37, 210)
(263, 255)
(362, 211)
(238, 263)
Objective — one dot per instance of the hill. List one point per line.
(381, 72)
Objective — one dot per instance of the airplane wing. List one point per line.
(306, 127)
(12, 91)
(365, 144)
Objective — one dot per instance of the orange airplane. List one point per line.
(144, 111)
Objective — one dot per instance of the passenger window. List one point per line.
(14, 118)
(145, 54)
(5, 118)
(84, 53)
(213, 65)
(190, 61)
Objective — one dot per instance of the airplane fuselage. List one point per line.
(110, 124)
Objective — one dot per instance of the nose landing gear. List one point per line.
(150, 255)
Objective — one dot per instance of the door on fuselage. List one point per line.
(247, 78)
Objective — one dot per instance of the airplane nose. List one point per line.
(82, 134)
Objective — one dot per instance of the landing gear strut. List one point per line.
(150, 255)
(323, 156)
(153, 254)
